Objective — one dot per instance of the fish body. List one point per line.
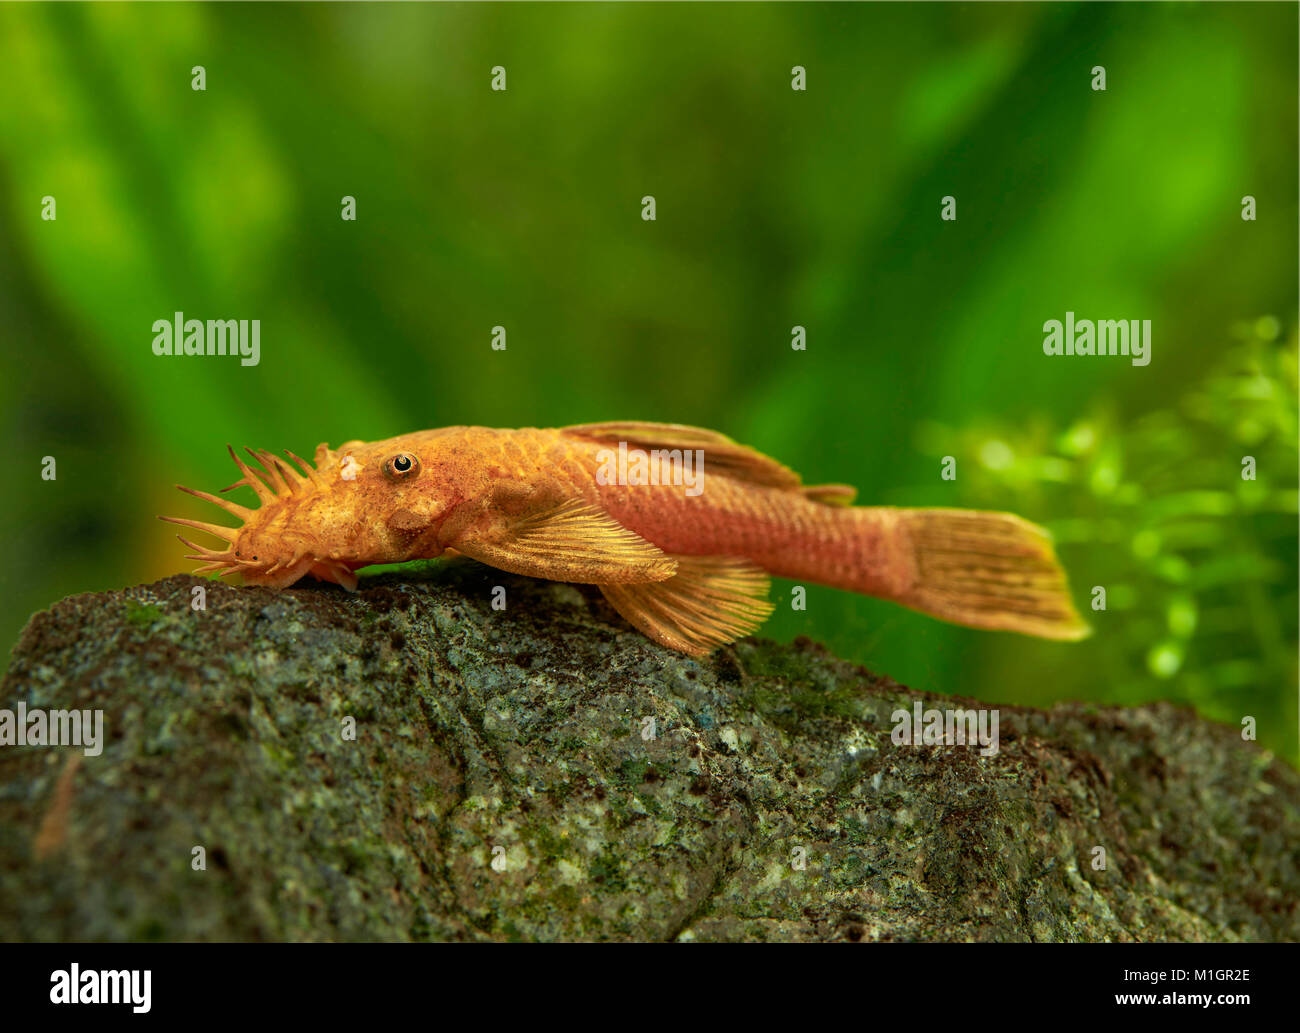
(679, 526)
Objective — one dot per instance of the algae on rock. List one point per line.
(545, 772)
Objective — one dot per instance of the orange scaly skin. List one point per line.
(690, 570)
(780, 531)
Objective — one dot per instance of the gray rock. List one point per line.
(518, 735)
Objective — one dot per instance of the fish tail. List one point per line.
(985, 570)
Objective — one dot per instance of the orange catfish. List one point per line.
(679, 526)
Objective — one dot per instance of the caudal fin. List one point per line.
(988, 570)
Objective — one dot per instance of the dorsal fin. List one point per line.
(830, 494)
(721, 454)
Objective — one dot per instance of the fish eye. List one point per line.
(401, 466)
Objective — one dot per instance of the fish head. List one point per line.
(387, 499)
(360, 504)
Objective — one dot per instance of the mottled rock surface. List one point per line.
(520, 735)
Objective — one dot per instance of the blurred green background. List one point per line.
(775, 208)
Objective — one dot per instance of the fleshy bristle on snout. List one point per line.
(275, 480)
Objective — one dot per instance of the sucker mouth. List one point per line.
(276, 481)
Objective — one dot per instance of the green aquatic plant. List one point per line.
(1183, 519)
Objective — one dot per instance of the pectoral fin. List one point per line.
(710, 601)
(572, 541)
